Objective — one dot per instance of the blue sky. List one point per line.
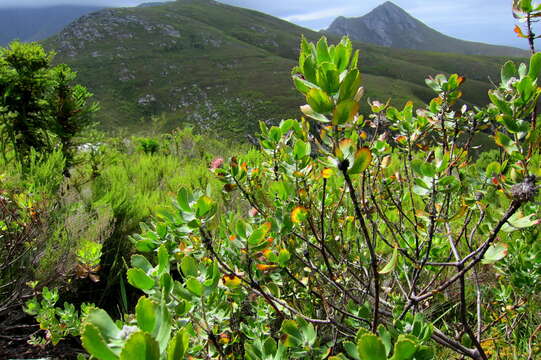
(488, 21)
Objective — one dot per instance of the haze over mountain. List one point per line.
(37, 23)
(389, 25)
(223, 68)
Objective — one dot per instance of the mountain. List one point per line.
(37, 23)
(389, 25)
(223, 68)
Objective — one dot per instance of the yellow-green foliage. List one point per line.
(114, 186)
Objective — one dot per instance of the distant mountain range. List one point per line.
(223, 68)
(389, 25)
(37, 23)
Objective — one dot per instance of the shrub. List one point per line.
(39, 103)
(359, 232)
(365, 237)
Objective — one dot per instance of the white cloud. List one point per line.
(318, 15)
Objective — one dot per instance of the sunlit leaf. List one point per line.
(495, 253)
(363, 158)
(231, 281)
(299, 214)
(391, 265)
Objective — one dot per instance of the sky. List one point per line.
(487, 21)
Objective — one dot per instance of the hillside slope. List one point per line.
(224, 68)
(389, 25)
(37, 23)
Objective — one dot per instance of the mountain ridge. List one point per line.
(37, 23)
(390, 25)
(220, 67)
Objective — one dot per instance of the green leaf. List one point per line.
(344, 149)
(275, 134)
(146, 313)
(183, 199)
(404, 349)
(350, 85)
(323, 50)
(495, 253)
(535, 66)
(204, 206)
(511, 124)
(140, 346)
(269, 347)
(258, 235)
(423, 168)
(293, 336)
(351, 350)
(518, 221)
(526, 88)
(140, 280)
(240, 229)
(309, 334)
(303, 85)
(386, 338)
(509, 70)
(215, 277)
(342, 54)
(283, 257)
(141, 262)
(338, 357)
(328, 78)
(309, 69)
(308, 111)
(178, 345)
(449, 183)
(319, 101)
(493, 169)
(163, 260)
(95, 344)
(145, 245)
(424, 353)
(363, 158)
(345, 112)
(162, 330)
(301, 149)
(421, 187)
(194, 286)
(100, 319)
(354, 60)
(506, 143)
(526, 6)
(370, 347)
(189, 267)
(391, 265)
(166, 282)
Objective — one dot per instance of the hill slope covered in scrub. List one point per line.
(224, 68)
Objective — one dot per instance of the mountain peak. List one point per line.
(378, 25)
(390, 11)
(390, 5)
(390, 25)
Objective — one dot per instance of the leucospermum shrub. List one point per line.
(368, 238)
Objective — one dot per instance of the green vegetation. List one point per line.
(74, 231)
(196, 63)
(344, 236)
(39, 107)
